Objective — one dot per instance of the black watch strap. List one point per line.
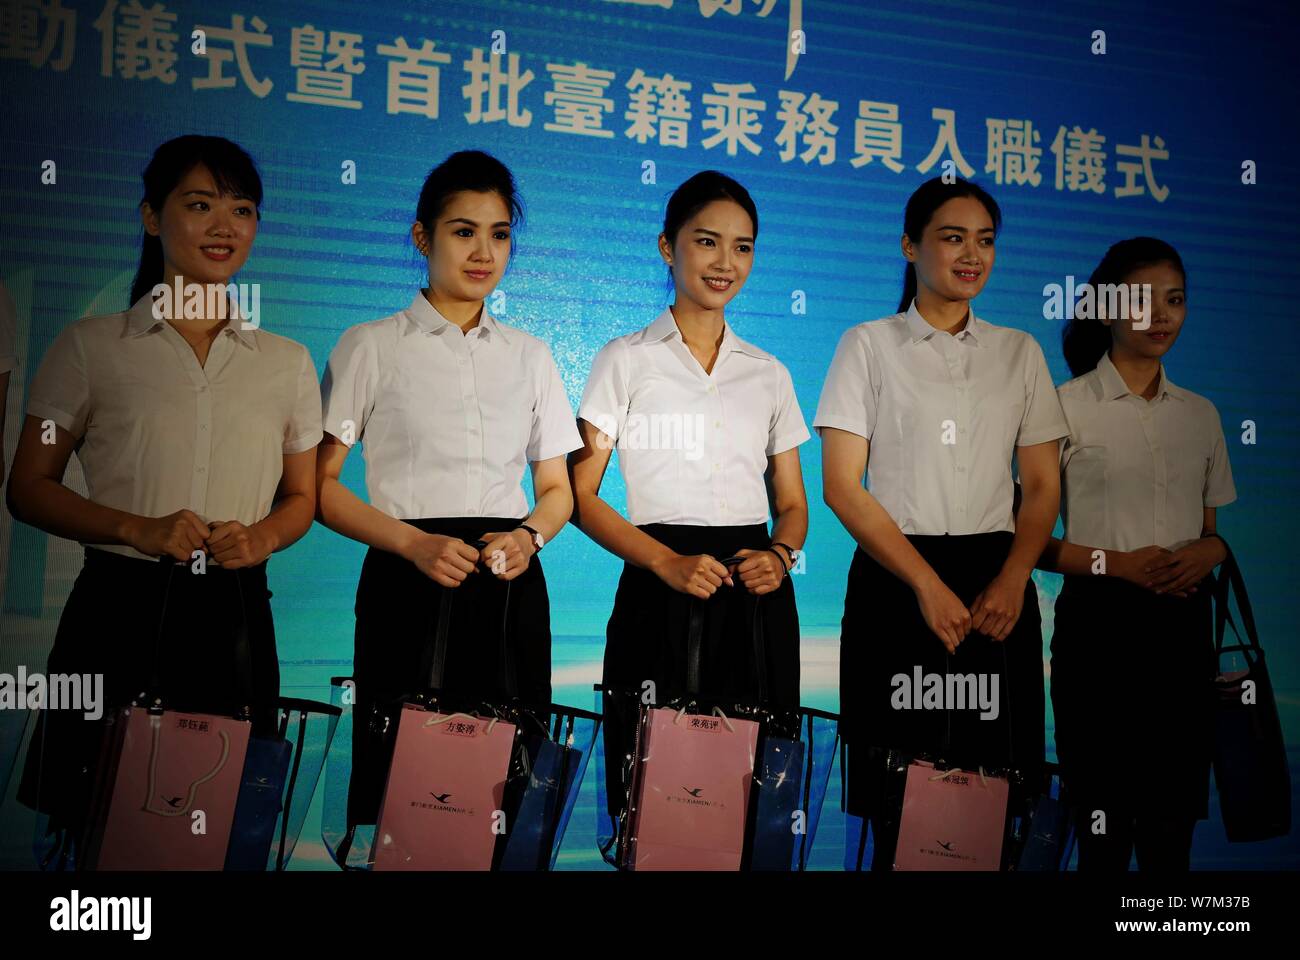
(535, 535)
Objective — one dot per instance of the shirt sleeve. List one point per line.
(851, 395)
(554, 430)
(605, 399)
(787, 428)
(8, 332)
(1043, 419)
(61, 388)
(303, 431)
(1219, 488)
(349, 385)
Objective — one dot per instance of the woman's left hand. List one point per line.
(761, 572)
(233, 545)
(997, 609)
(506, 554)
(1187, 566)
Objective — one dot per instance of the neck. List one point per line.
(947, 315)
(213, 310)
(1140, 374)
(699, 326)
(464, 313)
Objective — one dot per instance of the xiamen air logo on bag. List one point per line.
(443, 805)
(694, 798)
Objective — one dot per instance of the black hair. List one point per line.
(698, 192)
(1086, 339)
(231, 167)
(921, 207)
(471, 170)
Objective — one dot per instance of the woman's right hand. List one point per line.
(699, 576)
(445, 560)
(945, 615)
(176, 535)
(1131, 565)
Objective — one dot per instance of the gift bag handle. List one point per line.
(695, 643)
(1229, 584)
(947, 733)
(436, 656)
(155, 723)
(243, 650)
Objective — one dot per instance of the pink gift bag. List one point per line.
(952, 820)
(690, 791)
(162, 770)
(444, 790)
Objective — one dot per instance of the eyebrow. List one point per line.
(473, 223)
(209, 193)
(714, 233)
(953, 226)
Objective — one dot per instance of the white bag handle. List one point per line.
(155, 722)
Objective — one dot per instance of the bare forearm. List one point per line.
(791, 527)
(879, 536)
(1061, 556)
(1034, 523)
(344, 512)
(50, 506)
(598, 520)
(551, 511)
(290, 518)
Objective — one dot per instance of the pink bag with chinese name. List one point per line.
(690, 791)
(446, 782)
(952, 820)
(162, 769)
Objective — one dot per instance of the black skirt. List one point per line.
(646, 640)
(120, 611)
(396, 616)
(1133, 693)
(884, 635)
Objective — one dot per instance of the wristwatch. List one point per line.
(538, 540)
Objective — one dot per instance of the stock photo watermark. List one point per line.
(186, 300)
(952, 691)
(58, 691)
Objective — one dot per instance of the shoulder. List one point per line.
(1080, 391)
(99, 328)
(528, 345)
(876, 335)
(1012, 339)
(373, 334)
(617, 349)
(281, 348)
(1199, 406)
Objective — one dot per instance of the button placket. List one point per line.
(473, 428)
(961, 450)
(718, 449)
(1159, 472)
(200, 468)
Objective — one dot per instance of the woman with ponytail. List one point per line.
(197, 437)
(696, 533)
(934, 404)
(450, 406)
(1143, 470)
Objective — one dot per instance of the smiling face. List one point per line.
(1168, 311)
(712, 255)
(206, 235)
(954, 255)
(468, 247)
